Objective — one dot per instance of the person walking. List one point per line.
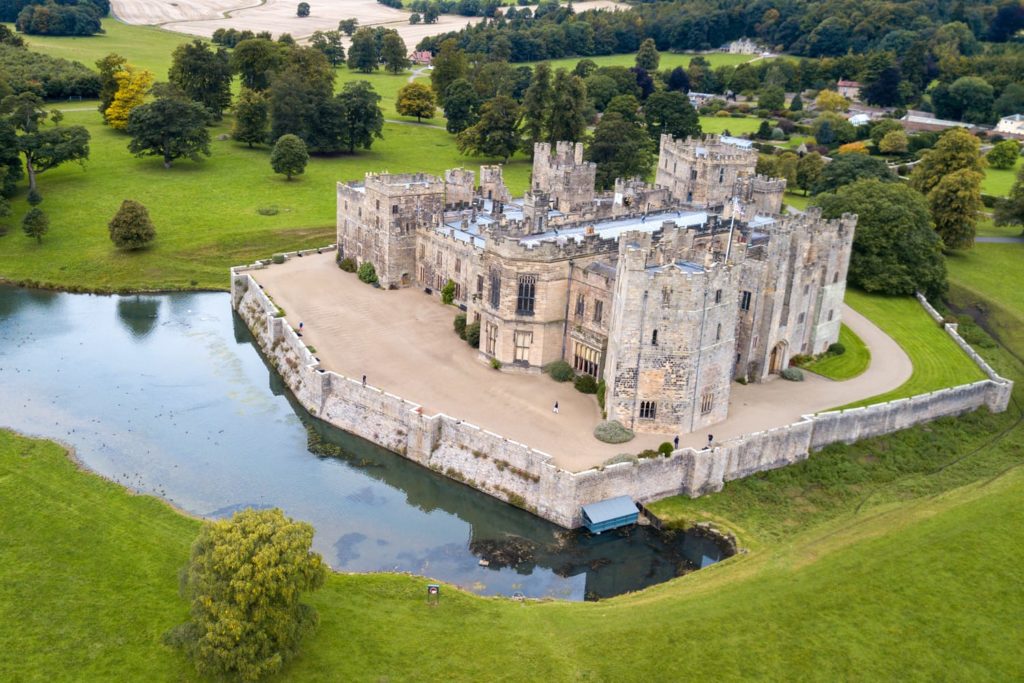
(364, 380)
(555, 409)
(675, 442)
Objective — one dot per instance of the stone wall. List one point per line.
(515, 473)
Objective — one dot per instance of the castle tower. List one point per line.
(492, 184)
(564, 175)
(378, 219)
(670, 341)
(458, 187)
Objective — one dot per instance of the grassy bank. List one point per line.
(938, 361)
(998, 181)
(853, 362)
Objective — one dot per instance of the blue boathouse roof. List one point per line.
(610, 514)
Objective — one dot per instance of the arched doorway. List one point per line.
(778, 358)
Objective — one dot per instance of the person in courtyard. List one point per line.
(364, 380)
(711, 437)
(555, 409)
(675, 442)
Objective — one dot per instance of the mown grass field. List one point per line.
(734, 126)
(848, 365)
(998, 182)
(938, 361)
(987, 279)
(669, 60)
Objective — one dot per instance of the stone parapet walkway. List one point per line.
(404, 343)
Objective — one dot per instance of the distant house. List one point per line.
(860, 119)
(849, 89)
(1011, 125)
(421, 57)
(743, 46)
(699, 99)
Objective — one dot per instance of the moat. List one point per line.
(168, 396)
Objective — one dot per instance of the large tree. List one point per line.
(252, 116)
(289, 157)
(849, 168)
(460, 106)
(295, 100)
(362, 53)
(394, 53)
(415, 99)
(670, 112)
(44, 146)
(244, 582)
(955, 202)
(169, 127)
(1003, 154)
(567, 118)
(108, 66)
(256, 61)
(620, 149)
(329, 44)
(10, 158)
(536, 107)
(496, 134)
(132, 87)
(351, 119)
(647, 57)
(204, 75)
(808, 171)
(1010, 211)
(895, 250)
(449, 64)
(131, 227)
(957, 149)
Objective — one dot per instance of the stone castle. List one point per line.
(667, 292)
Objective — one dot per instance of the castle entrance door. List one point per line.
(777, 358)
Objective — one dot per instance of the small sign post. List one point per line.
(433, 593)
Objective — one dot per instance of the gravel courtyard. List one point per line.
(403, 342)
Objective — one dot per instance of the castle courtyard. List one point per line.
(403, 341)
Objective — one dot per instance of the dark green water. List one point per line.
(167, 395)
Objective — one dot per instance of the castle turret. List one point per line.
(564, 175)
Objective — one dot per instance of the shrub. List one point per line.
(612, 431)
(666, 448)
(793, 374)
(601, 389)
(131, 227)
(267, 210)
(473, 335)
(277, 258)
(367, 273)
(34, 198)
(459, 323)
(585, 384)
(560, 371)
(621, 457)
(302, 10)
(448, 292)
(648, 453)
(800, 360)
(836, 349)
(496, 364)
(347, 265)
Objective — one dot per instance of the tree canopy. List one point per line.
(620, 149)
(849, 168)
(496, 133)
(289, 157)
(895, 250)
(244, 582)
(131, 227)
(415, 99)
(956, 149)
(170, 128)
(203, 75)
(44, 146)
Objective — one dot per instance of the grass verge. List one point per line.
(846, 366)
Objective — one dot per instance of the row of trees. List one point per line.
(74, 18)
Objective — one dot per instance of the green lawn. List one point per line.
(796, 199)
(998, 182)
(987, 279)
(848, 365)
(987, 228)
(938, 361)
(206, 213)
(735, 126)
(89, 583)
(669, 60)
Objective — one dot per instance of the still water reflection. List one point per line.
(167, 395)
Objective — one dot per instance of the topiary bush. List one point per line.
(666, 448)
(560, 371)
(347, 265)
(836, 349)
(473, 335)
(585, 384)
(367, 273)
(460, 325)
(277, 258)
(612, 431)
(793, 374)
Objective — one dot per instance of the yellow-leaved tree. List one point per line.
(132, 86)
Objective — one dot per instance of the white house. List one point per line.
(1011, 125)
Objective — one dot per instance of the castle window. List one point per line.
(458, 292)
(439, 258)
(718, 332)
(745, 301)
(581, 305)
(721, 175)
(666, 296)
(421, 250)
(394, 208)
(835, 278)
(378, 205)
(598, 311)
(800, 318)
(458, 266)
(480, 284)
(654, 338)
(495, 288)
(648, 410)
(807, 289)
(585, 358)
(693, 174)
(707, 402)
(523, 340)
(439, 282)
(526, 295)
(490, 338)
(830, 312)
(718, 296)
